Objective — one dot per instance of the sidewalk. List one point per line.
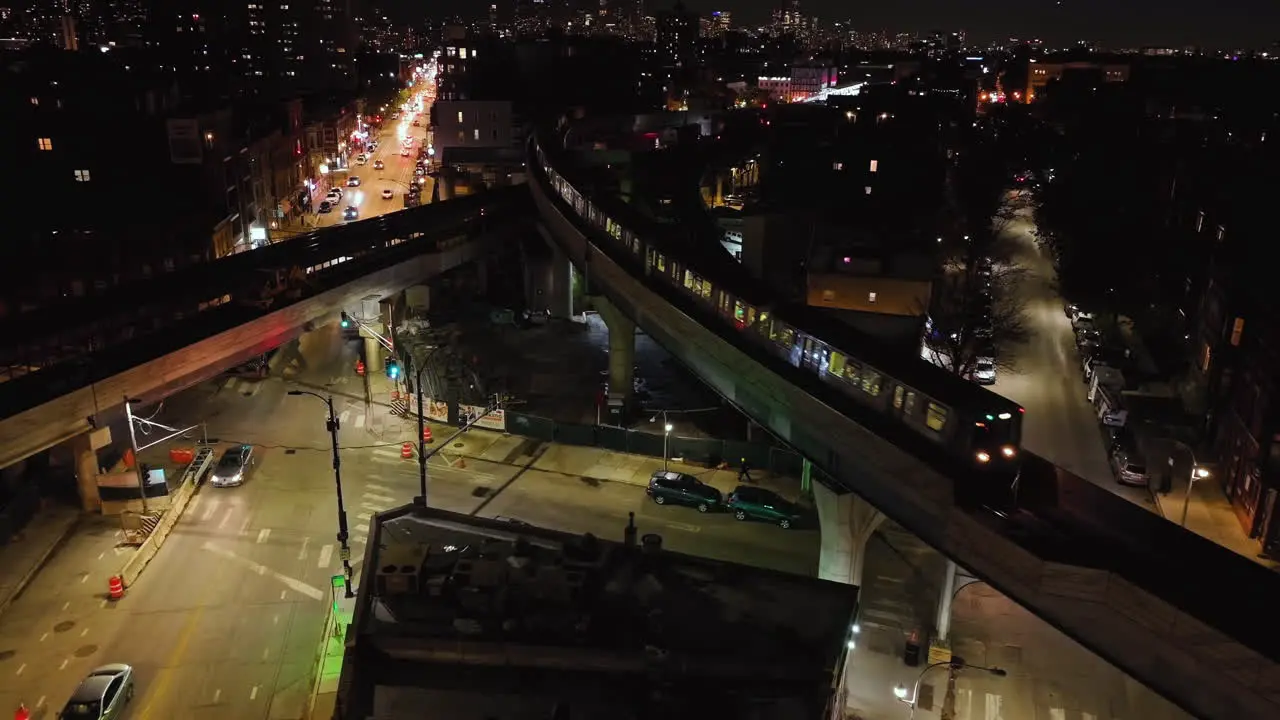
(22, 558)
(1209, 515)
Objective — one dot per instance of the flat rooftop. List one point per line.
(487, 619)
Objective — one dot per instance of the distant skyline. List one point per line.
(1221, 23)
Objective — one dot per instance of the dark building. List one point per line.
(676, 51)
(133, 178)
(489, 618)
(267, 45)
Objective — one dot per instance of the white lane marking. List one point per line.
(209, 511)
(40, 702)
(217, 694)
(63, 666)
(379, 498)
(103, 604)
(343, 417)
(84, 632)
(263, 534)
(292, 583)
(244, 526)
(229, 385)
(66, 605)
(266, 652)
(284, 594)
(379, 488)
(20, 669)
(44, 637)
(102, 555)
(683, 526)
(359, 421)
(302, 554)
(84, 579)
(358, 540)
(253, 694)
(226, 518)
(360, 528)
(326, 556)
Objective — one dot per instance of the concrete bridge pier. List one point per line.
(847, 523)
(622, 350)
(85, 456)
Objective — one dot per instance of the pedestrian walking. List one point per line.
(744, 472)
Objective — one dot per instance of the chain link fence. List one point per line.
(704, 451)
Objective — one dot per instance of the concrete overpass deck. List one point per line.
(172, 334)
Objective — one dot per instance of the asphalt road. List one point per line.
(1060, 424)
(226, 621)
(395, 176)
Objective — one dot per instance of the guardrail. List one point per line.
(191, 479)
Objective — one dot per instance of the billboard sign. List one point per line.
(496, 420)
(437, 410)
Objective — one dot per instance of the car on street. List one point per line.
(334, 195)
(417, 124)
(232, 466)
(1129, 469)
(747, 502)
(668, 486)
(378, 165)
(387, 194)
(362, 158)
(350, 213)
(404, 152)
(353, 181)
(102, 695)
(325, 206)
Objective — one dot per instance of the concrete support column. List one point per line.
(86, 463)
(947, 594)
(847, 523)
(372, 355)
(622, 349)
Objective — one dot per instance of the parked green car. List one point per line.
(747, 502)
(683, 489)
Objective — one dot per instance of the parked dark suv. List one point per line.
(681, 489)
(759, 504)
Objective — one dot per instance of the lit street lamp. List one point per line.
(1198, 472)
(956, 664)
(331, 424)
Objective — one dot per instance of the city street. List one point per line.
(226, 620)
(395, 176)
(1060, 425)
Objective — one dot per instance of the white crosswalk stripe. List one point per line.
(360, 421)
(229, 385)
(343, 417)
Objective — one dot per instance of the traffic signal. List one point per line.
(346, 319)
(393, 368)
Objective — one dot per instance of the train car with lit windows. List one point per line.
(968, 423)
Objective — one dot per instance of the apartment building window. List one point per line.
(871, 297)
(459, 116)
(475, 134)
(837, 165)
(875, 165)
(44, 143)
(1200, 221)
(1222, 232)
(35, 101)
(82, 176)
(867, 189)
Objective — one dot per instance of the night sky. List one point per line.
(1213, 23)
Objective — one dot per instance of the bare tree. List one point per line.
(974, 316)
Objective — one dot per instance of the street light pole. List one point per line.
(422, 423)
(331, 424)
(956, 664)
(1197, 473)
(137, 462)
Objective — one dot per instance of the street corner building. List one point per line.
(479, 618)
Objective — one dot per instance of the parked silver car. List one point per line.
(232, 467)
(103, 695)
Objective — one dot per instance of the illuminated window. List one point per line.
(828, 296)
(837, 166)
(867, 189)
(1237, 329)
(875, 165)
(35, 101)
(459, 116)
(44, 143)
(871, 297)
(935, 417)
(1200, 221)
(82, 176)
(475, 134)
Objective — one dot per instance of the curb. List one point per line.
(30, 575)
